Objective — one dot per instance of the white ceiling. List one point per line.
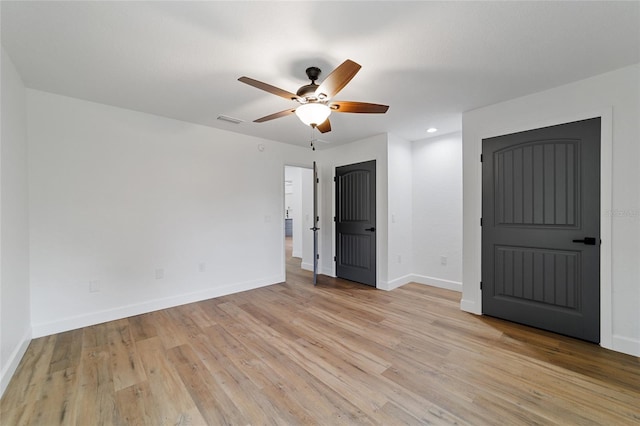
(429, 61)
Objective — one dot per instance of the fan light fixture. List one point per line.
(313, 114)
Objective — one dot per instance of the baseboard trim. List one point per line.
(398, 282)
(626, 345)
(330, 272)
(469, 306)
(438, 282)
(79, 321)
(420, 279)
(307, 266)
(14, 360)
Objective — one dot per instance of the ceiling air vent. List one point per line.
(230, 119)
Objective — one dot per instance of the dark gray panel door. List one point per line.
(355, 222)
(541, 228)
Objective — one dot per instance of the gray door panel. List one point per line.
(355, 222)
(541, 197)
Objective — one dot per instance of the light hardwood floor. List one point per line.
(339, 353)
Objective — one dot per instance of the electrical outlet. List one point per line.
(443, 260)
(159, 274)
(94, 286)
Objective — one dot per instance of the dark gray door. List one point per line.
(355, 222)
(541, 228)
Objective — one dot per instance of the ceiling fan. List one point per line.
(315, 100)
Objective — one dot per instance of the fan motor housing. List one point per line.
(305, 91)
(312, 73)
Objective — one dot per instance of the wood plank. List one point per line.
(214, 404)
(66, 353)
(95, 336)
(275, 369)
(243, 376)
(95, 402)
(58, 398)
(135, 405)
(142, 327)
(126, 367)
(24, 387)
(172, 404)
(167, 330)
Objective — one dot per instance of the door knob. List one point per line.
(590, 241)
(370, 229)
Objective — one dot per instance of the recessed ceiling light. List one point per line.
(432, 130)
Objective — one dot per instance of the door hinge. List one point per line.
(480, 285)
(335, 259)
(317, 180)
(481, 158)
(334, 218)
(480, 221)
(317, 256)
(334, 178)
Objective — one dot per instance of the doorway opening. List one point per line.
(298, 217)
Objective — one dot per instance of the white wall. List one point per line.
(437, 211)
(151, 212)
(615, 96)
(15, 323)
(399, 213)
